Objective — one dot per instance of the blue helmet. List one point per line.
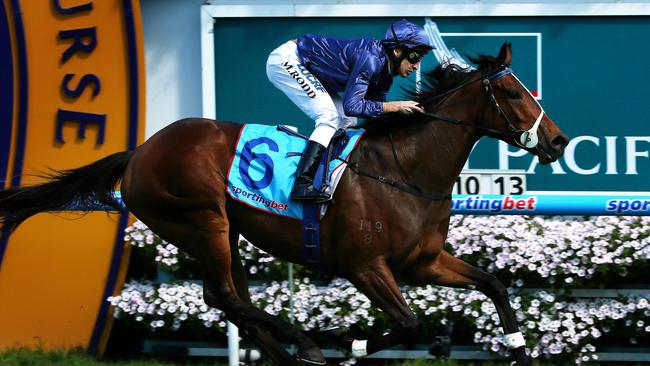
(404, 34)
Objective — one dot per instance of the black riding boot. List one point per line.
(303, 187)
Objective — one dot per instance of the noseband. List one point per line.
(523, 138)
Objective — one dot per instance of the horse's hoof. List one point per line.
(312, 357)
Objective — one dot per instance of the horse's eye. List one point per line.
(513, 94)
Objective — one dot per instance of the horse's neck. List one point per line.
(434, 154)
(429, 154)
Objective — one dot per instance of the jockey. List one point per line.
(313, 69)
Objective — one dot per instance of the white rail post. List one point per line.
(233, 345)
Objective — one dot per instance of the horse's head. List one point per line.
(512, 111)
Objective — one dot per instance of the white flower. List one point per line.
(556, 250)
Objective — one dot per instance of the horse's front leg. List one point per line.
(447, 270)
(376, 281)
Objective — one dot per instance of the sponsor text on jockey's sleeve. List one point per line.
(357, 67)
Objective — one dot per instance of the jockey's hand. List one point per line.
(403, 107)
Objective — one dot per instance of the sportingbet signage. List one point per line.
(545, 204)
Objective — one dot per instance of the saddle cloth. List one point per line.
(263, 168)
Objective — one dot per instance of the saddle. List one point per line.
(334, 149)
(263, 170)
(311, 210)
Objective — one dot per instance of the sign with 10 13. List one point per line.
(491, 181)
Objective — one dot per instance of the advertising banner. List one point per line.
(71, 92)
(588, 72)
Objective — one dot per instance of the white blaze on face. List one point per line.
(529, 138)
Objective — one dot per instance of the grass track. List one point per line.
(22, 357)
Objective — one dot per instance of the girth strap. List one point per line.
(404, 187)
(311, 234)
(458, 122)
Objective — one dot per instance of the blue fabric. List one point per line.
(311, 234)
(357, 67)
(500, 74)
(264, 168)
(403, 33)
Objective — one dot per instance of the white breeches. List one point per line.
(286, 72)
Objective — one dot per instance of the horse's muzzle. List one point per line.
(553, 148)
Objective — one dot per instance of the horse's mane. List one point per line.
(446, 77)
(434, 82)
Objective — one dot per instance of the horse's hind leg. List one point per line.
(240, 279)
(238, 272)
(219, 261)
(206, 236)
(446, 270)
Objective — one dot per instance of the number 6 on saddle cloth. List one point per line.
(263, 170)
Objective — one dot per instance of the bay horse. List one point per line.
(374, 235)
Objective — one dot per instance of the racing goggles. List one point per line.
(413, 56)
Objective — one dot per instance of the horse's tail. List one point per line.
(85, 187)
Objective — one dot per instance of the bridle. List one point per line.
(523, 138)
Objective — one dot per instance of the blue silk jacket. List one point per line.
(357, 67)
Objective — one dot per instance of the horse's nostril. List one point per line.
(560, 141)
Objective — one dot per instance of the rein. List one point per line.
(523, 138)
(459, 122)
(486, 77)
(404, 187)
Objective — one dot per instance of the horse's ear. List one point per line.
(505, 54)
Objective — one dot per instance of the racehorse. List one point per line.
(374, 234)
